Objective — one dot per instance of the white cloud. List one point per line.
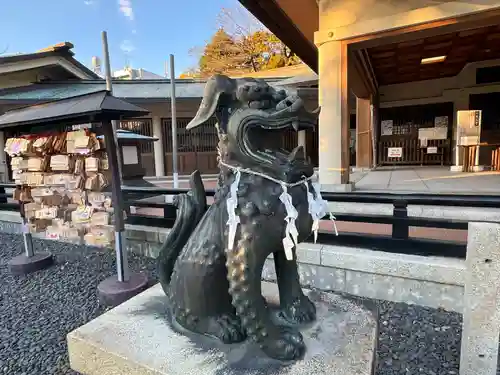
(126, 8)
(127, 46)
(88, 2)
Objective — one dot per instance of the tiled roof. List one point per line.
(133, 89)
(125, 89)
(61, 49)
(128, 135)
(97, 106)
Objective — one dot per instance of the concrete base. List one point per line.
(360, 169)
(23, 265)
(459, 168)
(112, 292)
(137, 338)
(340, 188)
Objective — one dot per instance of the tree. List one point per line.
(221, 55)
(242, 44)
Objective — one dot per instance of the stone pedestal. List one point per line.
(137, 338)
(23, 265)
(481, 315)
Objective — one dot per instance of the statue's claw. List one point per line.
(227, 328)
(300, 311)
(286, 345)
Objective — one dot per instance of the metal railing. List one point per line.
(399, 241)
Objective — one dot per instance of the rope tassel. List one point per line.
(317, 208)
(291, 233)
(232, 204)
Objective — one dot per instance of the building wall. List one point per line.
(438, 90)
(184, 108)
(17, 80)
(454, 89)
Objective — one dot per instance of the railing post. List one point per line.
(400, 229)
(481, 311)
(167, 211)
(3, 198)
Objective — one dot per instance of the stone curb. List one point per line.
(429, 281)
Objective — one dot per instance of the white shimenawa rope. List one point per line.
(318, 208)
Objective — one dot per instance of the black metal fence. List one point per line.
(399, 241)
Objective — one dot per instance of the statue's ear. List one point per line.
(216, 87)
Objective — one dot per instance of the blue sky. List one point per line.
(142, 32)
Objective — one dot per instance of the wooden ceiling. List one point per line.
(401, 62)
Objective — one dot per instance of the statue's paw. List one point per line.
(300, 311)
(286, 345)
(227, 328)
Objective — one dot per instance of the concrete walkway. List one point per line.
(437, 180)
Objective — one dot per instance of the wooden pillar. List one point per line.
(375, 121)
(334, 117)
(364, 151)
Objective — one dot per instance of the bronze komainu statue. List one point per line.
(211, 264)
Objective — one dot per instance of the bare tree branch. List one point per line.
(4, 51)
(237, 21)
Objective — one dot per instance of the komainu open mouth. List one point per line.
(264, 139)
(266, 142)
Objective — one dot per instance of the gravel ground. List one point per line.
(36, 313)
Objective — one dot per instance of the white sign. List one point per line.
(468, 127)
(432, 150)
(433, 133)
(130, 155)
(387, 126)
(395, 152)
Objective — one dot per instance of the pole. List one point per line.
(107, 62)
(28, 239)
(109, 87)
(117, 197)
(174, 123)
(115, 164)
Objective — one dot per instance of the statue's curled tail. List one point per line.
(190, 209)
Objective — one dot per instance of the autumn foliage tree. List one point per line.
(241, 45)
